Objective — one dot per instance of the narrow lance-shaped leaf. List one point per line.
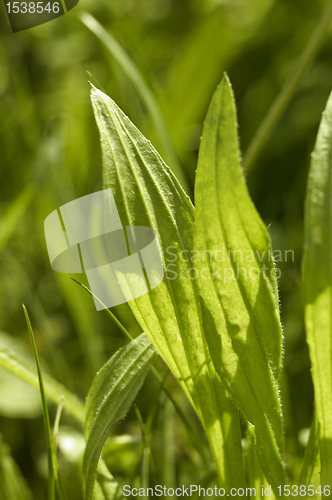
(237, 283)
(148, 194)
(317, 284)
(110, 397)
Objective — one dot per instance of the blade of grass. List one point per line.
(142, 89)
(52, 472)
(95, 81)
(282, 100)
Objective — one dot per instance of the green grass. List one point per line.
(244, 366)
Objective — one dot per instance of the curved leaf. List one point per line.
(110, 396)
(148, 194)
(237, 283)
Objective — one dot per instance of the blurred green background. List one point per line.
(50, 154)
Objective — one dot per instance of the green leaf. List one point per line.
(148, 194)
(317, 284)
(12, 483)
(110, 397)
(239, 295)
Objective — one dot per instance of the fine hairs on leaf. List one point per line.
(210, 313)
(240, 309)
(111, 394)
(148, 194)
(138, 177)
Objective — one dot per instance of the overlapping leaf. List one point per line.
(147, 194)
(238, 284)
(110, 397)
(317, 284)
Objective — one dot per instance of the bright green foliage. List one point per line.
(110, 396)
(148, 194)
(317, 284)
(239, 296)
(12, 484)
(160, 60)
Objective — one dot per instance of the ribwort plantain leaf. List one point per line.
(148, 194)
(239, 297)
